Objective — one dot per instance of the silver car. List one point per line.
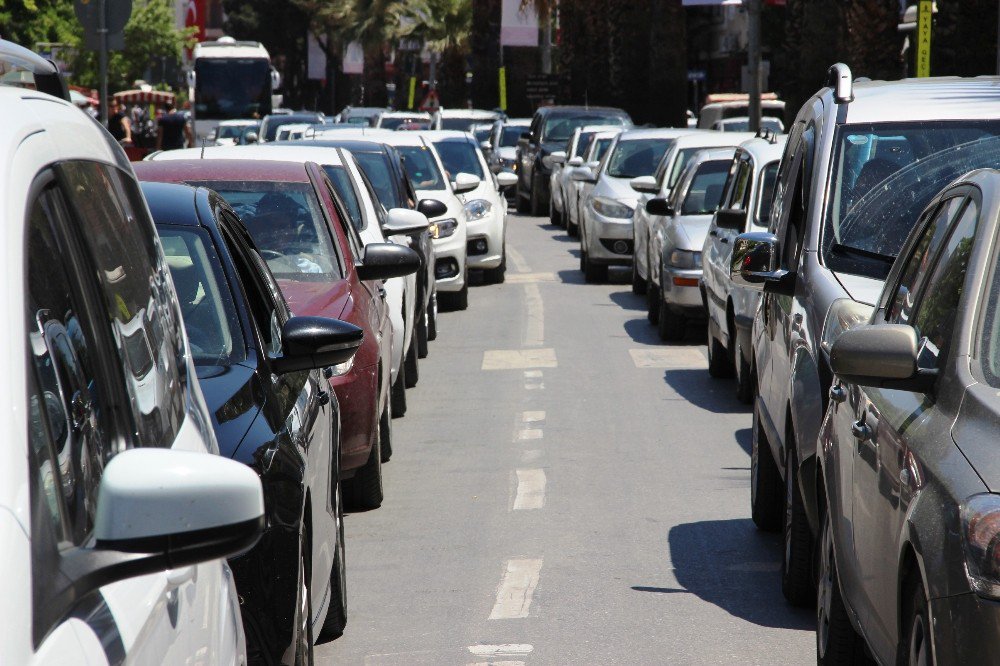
(563, 163)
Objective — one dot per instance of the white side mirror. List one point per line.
(404, 221)
(575, 162)
(645, 184)
(506, 179)
(486, 145)
(465, 182)
(583, 175)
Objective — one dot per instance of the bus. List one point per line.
(230, 80)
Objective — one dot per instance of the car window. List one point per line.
(705, 189)
(510, 134)
(598, 148)
(287, 225)
(376, 166)
(210, 318)
(459, 157)
(122, 245)
(917, 267)
(936, 313)
(684, 156)
(559, 128)
(345, 190)
(636, 157)
(739, 184)
(421, 167)
(765, 197)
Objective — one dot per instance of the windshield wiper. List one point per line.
(838, 248)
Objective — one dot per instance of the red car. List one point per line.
(323, 269)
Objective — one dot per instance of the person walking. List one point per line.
(119, 123)
(174, 130)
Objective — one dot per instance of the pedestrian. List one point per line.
(118, 123)
(175, 129)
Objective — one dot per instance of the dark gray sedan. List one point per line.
(909, 560)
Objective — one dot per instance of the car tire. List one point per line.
(797, 582)
(554, 216)
(741, 367)
(536, 199)
(638, 283)
(572, 228)
(336, 615)
(385, 432)
(364, 490)
(915, 646)
(720, 364)
(397, 393)
(523, 204)
(457, 300)
(432, 318)
(499, 274)
(422, 347)
(653, 303)
(766, 489)
(670, 325)
(837, 642)
(303, 639)
(412, 364)
(594, 272)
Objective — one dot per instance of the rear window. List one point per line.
(421, 167)
(459, 157)
(559, 127)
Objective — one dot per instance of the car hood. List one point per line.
(862, 289)
(319, 299)
(689, 231)
(618, 189)
(231, 396)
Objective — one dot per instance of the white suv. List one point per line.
(113, 530)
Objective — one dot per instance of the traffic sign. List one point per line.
(117, 14)
(541, 86)
(925, 14)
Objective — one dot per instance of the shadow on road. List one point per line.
(744, 437)
(695, 386)
(571, 276)
(628, 301)
(563, 237)
(731, 564)
(642, 332)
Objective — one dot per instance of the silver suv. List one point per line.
(861, 163)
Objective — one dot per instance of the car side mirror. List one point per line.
(731, 218)
(387, 260)
(250, 137)
(526, 136)
(583, 174)
(883, 356)
(309, 343)
(659, 206)
(506, 179)
(432, 208)
(646, 184)
(558, 157)
(755, 264)
(575, 161)
(486, 145)
(465, 182)
(404, 221)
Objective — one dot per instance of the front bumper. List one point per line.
(491, 230)
(965, 629)
(681, 290)
(450, 260)
(608, 240)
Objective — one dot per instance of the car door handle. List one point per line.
(177, 577)
(381, 291)
(323, 398)
(724, 240)
(713, 232)
(838, 393)
(861, 431)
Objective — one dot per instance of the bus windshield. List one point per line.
(230, 88)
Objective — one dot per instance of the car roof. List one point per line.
(446, 135)
(656, 133)
(468, 113)
(735, 104)
(188, 167)
(545, 110)
(172, 203)
(763, 150)
(710, 138)
(941, 98)
(714, 154)
(354, 145)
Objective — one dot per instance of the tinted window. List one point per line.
(287, 224)
(598, 150)
(232, 88)
(510, 134)
(559, 127)
(269, 128)
(421, 167)
(376, 167)
(458, 124)
(636, 157)
(459, 157)
(768, 179)
(739, 183)
(683, 158)
(210, 319)
(705, 191)
(345, 189)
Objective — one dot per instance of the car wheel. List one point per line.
(412, 364)
(837, 643)
(522, 199)
(536, 198)
(796, 564)
(554, 216)
(457, 300)
(916, 643)
(652, 303)
(336, 615)
(303, 641)
(766, 491)
(594, 272)
(572, 228)
(422, 347)
(742, 368)
(670, 325)
(397, 395)
(499, 274)
(638, 283)
(432, 318)
(364, 489)
(719, 362)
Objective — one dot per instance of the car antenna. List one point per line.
(204, 140)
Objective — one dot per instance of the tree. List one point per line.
(964, 38)
(874, 43)
(27, 22)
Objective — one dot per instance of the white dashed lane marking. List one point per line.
(530, 490)
(520, 578)
(529, 433)
(533, 380)
(529, 278)
(505, 650)
(532, 417)
(517, 259)
(534, 329)
(516, 359)
(669, 357)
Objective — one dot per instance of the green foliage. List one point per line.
(27, 22)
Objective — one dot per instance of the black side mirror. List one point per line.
(431, 208)
(881, 355)
(526, 136)
(316, 342)
(731, 218)
(387, 260)
(659, 206)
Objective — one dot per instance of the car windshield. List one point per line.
(511, 134)
(884, 175)
(459, 124)
(636, 157)
(376, 167)
(559, 128)
(287, 224)
(684, 156)
(705, 191)
(768, 177)
(210, 319)
(482, 133)
(342, 184)
(421, 167)
(601, 148)
(459, 157)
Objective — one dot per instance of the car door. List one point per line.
(719, 244)
(887, 421)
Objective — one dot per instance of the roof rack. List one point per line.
(47, 77)
(767, 134)
(839, 78)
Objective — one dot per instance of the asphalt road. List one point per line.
(565, 489)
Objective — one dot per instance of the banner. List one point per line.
(518, 27)
(354, 59)
(316, 58)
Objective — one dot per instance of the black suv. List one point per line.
(551, 128)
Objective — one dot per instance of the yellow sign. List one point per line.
(503, 88)
(924, 14)
(413, 91)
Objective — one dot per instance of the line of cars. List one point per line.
(847, 273)
(267, 304)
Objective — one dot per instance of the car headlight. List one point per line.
(508, 164)
(684, 259)
(843, 315)
(342, 369)
(611, 208)
(477, 209)
(444, 228)
(980, 532)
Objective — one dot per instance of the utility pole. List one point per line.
(998, 37)
(753, 61)
(102, 57)
(546, 39)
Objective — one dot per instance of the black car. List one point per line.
(260, 371)
(382, 165)
(551, 128)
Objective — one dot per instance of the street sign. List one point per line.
(503, 88)
(696, 75)
(541, 86)
(925, 13)
(413, 91)
(118, 12)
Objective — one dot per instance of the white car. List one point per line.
(606, 219)
(659, 185)
(293, 132)
(563, 163)
(745, 207)
(113, 521)
(678, 236)
(485, 206)
(742, 124)
(232, 132)
(391, 120)
(584, 177)
(461, 119)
